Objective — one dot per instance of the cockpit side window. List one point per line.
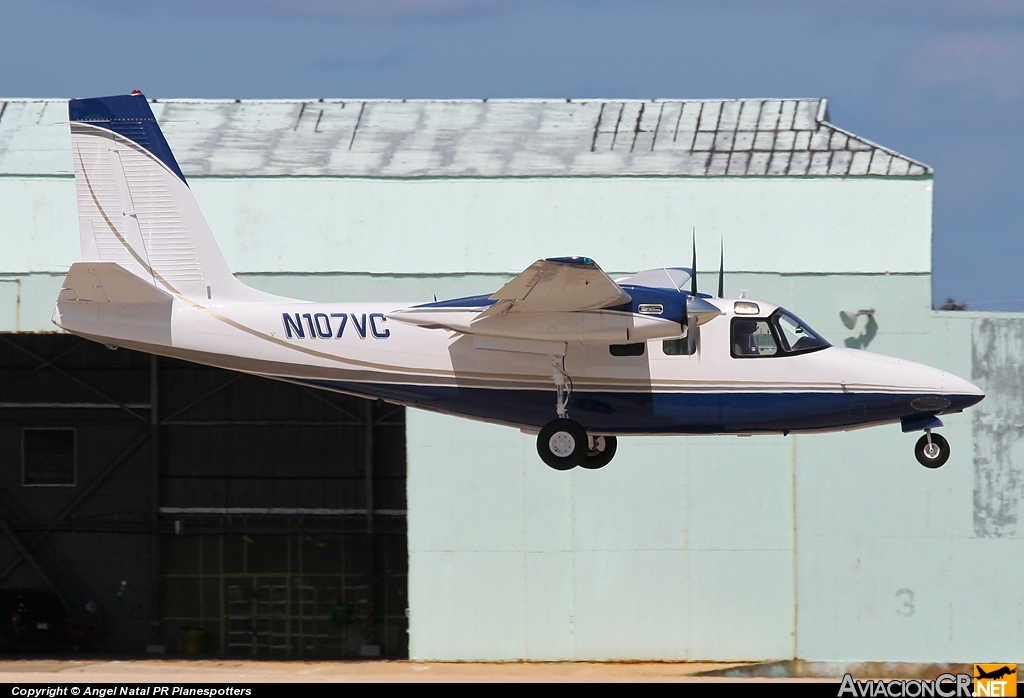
(752, 337)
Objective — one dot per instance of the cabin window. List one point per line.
(627, 349)
(680, 347)
(753, 338)
(48, 457)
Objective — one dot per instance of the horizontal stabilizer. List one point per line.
(108, 282)
(107, 303)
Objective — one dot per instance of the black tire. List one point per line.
(601, 455)
(940, 448)
(562, 444)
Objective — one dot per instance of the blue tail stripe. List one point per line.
(129, 116)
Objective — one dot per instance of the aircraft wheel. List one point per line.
(601, 454)
(934, 456)
(562, 444)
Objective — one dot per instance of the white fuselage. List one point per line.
(356, 348)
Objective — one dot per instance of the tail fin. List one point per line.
(135, 208)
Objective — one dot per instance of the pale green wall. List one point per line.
(437, 226)
(832, 547)
(697, 548)
(680, 549)
(366, 239)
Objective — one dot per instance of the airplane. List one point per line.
(995, 674)
(562, 351)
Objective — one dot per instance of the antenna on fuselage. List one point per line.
(670, 279)
(721, 270)
(693, 276)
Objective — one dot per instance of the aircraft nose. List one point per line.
(960, 392)
(958, 386)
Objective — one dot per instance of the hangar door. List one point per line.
(187, 508)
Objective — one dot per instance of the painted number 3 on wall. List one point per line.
(905, 600)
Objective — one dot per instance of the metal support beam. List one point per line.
(319, 395)
(208, 394)
(75, 347)
(91, 388)
(371, 572)
(154, 465)
(80, 498)
(23, 551)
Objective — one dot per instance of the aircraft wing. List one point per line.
(560, 284)
(558, 300)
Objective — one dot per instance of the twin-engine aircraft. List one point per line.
(561, 351)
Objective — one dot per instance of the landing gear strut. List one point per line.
(600, 452)
(563, 444)
(932, 450)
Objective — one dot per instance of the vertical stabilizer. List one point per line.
(135, 208)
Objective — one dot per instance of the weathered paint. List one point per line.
(474, 138)
(998, 368)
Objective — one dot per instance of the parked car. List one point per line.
(35, 619)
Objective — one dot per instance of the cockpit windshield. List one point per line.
(795, 335)
(782, 334)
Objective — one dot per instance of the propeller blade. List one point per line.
(693, 278)
(721, 271)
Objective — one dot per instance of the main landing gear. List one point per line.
(562, 443)
(932, 450)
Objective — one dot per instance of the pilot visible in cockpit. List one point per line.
(743, 338)
(753, 338)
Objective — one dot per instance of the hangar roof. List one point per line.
(488, 138)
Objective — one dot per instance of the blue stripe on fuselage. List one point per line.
(655, 413)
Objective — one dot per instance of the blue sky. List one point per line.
(939, 80)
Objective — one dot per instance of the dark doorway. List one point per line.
(185, 508)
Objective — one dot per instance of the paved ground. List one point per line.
(81, 670)
(234, 671)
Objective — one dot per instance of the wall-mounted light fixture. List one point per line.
(849, 317)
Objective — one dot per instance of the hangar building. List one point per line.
(160, 499)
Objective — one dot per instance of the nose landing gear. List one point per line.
(932, 450)
(563, 444)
